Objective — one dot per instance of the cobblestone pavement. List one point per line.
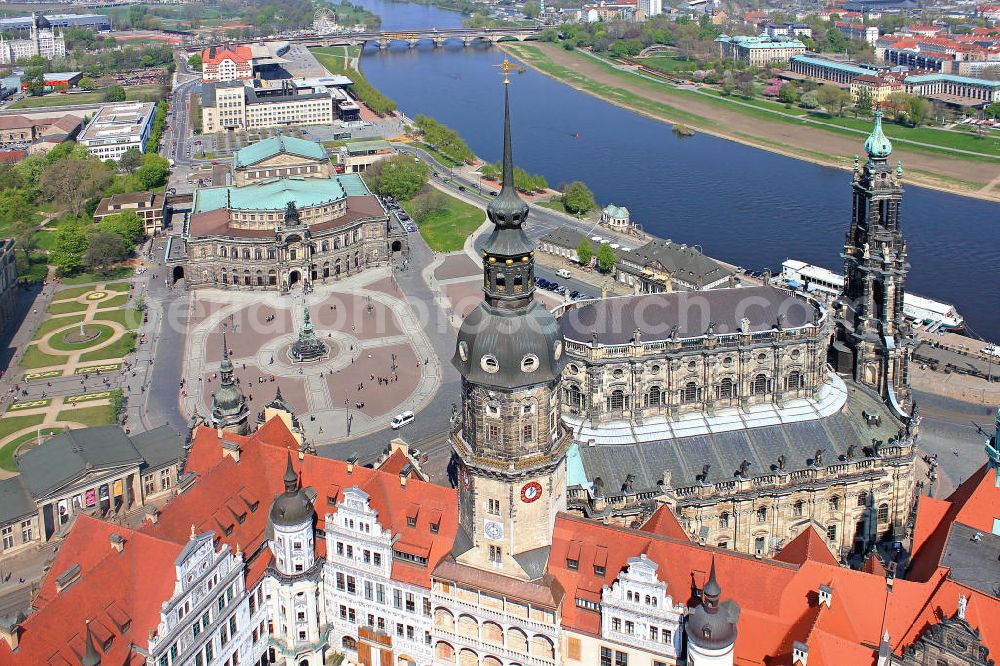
(380, 361)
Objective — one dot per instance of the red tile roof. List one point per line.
(808, 545)
(664, 523)
(216, 54)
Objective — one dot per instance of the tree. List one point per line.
(918, 108)
(115, 93)
(34, 80)
(400, 177)
(427, 204)
(863, 103)
(105, 249)
(606, 258)
(73, 181)
(585, 252)
(194, 62)
(130, 161)
(87, 83)
(23, 233)
(154, 171)
(993, 110)
(788, 93)
(832, 98)
(127, 225)
(809, 100)
(532, 9)
(578, 199)
(70, 244)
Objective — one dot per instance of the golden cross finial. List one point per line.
(506, 67)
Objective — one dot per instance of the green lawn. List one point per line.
(117, 286)
(128, 318)
(447, 229)
(93, 97)
(104, 332)
(91, 278)
(332, 57)
(668, 64)
(45, 240)
(35, 358)
(9, 424)
(88, 416)
(113, 302)
(72, 292)
(11, 447)
(55, 323)
(66, 307)
(116, 349)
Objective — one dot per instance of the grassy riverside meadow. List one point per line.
(945, 140)
(446, 229)
(133, 93)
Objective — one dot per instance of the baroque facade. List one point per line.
(42, 41)
(286, 222)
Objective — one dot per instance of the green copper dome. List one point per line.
(877, 144)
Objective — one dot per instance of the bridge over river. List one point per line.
(413, 37)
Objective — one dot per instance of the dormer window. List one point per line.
(572, 565)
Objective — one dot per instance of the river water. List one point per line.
(743, 205)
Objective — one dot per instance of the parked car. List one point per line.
(403, 419)
(574, 294)
(461, 188)
(542, 282)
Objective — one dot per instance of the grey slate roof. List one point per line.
(159, 446)
(15, 502)
(655, 315)
(71, 454)
(973, 563)
(685, 457)
(566, 237)
(683, 262)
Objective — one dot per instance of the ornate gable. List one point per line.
(951, 641)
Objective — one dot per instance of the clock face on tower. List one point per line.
(493, 530)
(531, 491)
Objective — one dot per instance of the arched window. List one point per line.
(690, 392)
(655, 397)
(444, 652)
(834, 503)
(260, 279)
(272, 277)
(257, 254)
(572, 396)
(234, 253)
(883, 513)
(759, 384)
(349, 643)
(799, 508)
(336, 243)
(725, 389)
(724, 519)
(863, 498)
(794, 381)
(324, 246)
(222, 251)
(292, 253)
(246, 278)
(270, 253)
(762, 514)
(246, 253)
(617, 400)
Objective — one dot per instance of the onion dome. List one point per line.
(228, 402)
(291, 507)
(710, 625)
(877, 144)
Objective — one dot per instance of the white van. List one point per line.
(564, 273)
(403, 419)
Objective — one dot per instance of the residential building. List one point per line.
(226, 63)
(788, 29)
(357, 156)
(878, 88)
(286, 222)
(149, 206)
(88, 471)
(42, 41)
(650, 8)
(8, 284)
(117, 128)
(759, 49)
(857, 31)
(31, 128)
(236, 105)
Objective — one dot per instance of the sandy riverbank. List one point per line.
(954, 175)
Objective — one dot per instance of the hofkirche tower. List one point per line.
(510, 441)
(870, 316)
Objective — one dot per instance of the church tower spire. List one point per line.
(230, 410)
(872, 332)
(510, 440)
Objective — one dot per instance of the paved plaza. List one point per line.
(379, 362)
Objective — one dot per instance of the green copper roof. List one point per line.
(276, 145)
(275, 194)
(877, 145)
(615, 211)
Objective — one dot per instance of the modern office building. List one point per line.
(117, 128)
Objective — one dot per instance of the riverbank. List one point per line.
(656, 100)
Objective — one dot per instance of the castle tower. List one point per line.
(870, 317)
(511, 442)
(711, 627)
(297, 608)
(229, 406)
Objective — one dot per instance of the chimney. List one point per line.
(404, 474)
(351, 462)
(117, 542)
(825, 595)
(800, 653)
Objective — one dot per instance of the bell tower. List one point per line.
(509, 438)
(870, 316)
